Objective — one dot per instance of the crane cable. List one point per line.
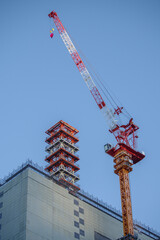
(97, 78)
(99, 81)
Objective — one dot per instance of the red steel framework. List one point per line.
(62, 158)
(124, 153)
(124, 133)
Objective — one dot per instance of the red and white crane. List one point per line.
(124, 153)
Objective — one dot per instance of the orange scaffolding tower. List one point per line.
(62, 157)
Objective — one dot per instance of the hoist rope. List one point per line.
(100, 82)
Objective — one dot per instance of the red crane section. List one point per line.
(78, 61)
(125, 133)
(124, 153)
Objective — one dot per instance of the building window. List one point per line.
(82, 232)
(76, 213)
(1, 204)
(76, 235)
(1, 194)
(0, 215)
(76, 224)
(81, 221)
(81, 210)
(76, 202)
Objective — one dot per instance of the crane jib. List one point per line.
(109, 114)
(78, 61)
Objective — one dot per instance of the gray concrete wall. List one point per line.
(50, 214)
(36, 208)
(49, 210)
(14, 201)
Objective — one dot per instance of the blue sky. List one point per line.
(40, 85)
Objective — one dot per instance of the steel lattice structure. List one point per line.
(124, 153)
(62, 156)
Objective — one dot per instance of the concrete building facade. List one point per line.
(33, 206)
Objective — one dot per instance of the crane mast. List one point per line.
(124, 153)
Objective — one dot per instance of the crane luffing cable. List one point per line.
(123, 133)
(104, 89)
(98, 79)
(95, 76)
(124, 153)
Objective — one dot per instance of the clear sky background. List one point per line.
(40, 85)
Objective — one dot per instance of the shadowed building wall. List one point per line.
(34, 207)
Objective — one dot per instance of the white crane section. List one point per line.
(108, 113)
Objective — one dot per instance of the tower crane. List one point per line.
(124, 152)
